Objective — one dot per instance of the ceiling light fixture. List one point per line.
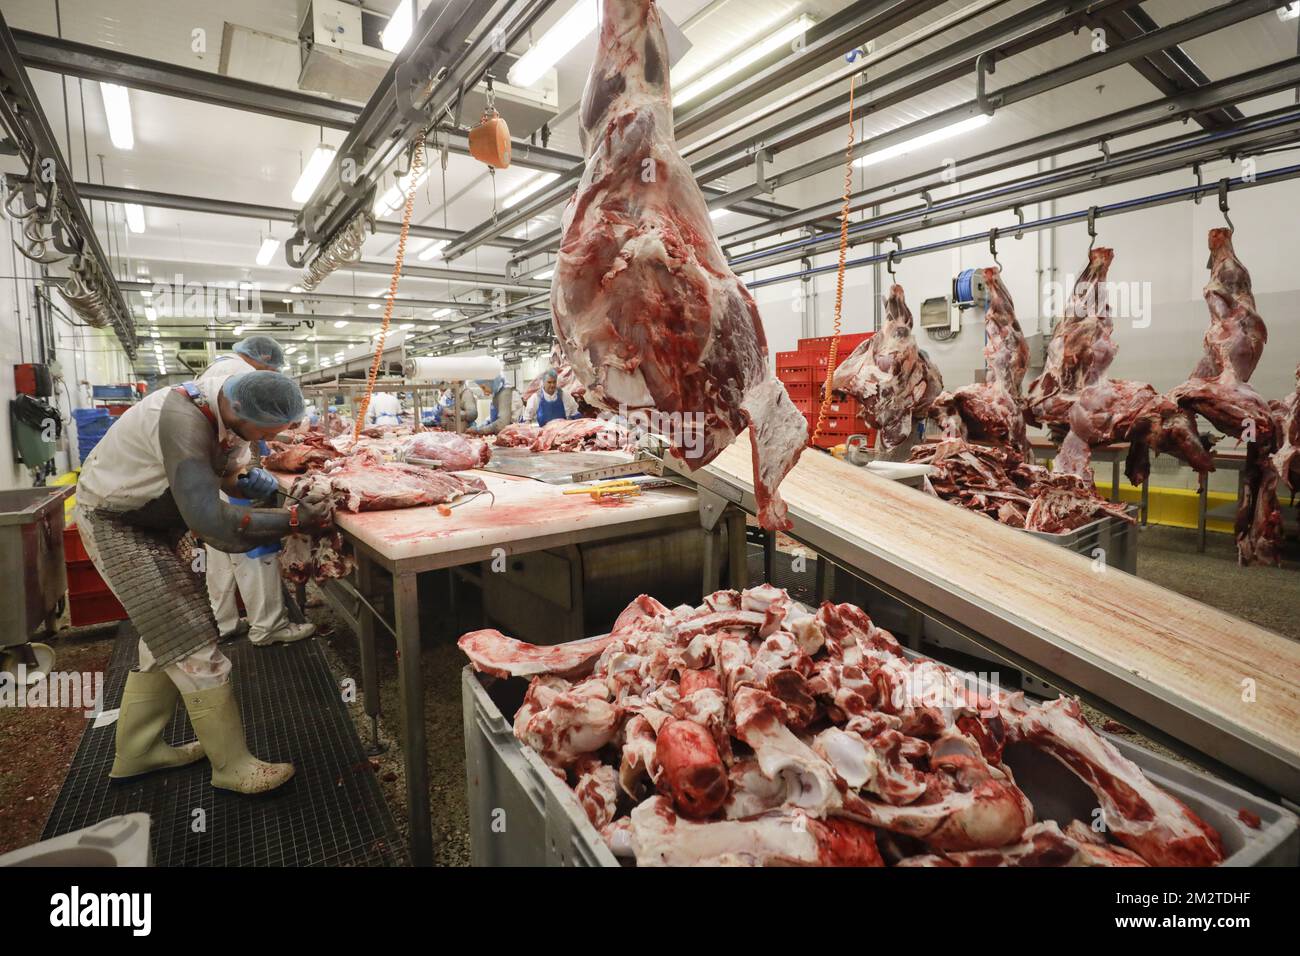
(135, 217)
(920, 142)
(313, 172)
(555, 43)
(394, 36)
(267, 250)
(736, 60)
(527, 189)
(433, 250)
(151, 313)
(341, 323)
(117, 111)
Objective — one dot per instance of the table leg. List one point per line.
(1114, 478)
(825, 578)
(712, 574)
(366, 646)
(1146, 499)
(738, 550)
(769, 555)
(1202, 504)
(406, 611)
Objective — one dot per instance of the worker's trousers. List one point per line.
(257, 578)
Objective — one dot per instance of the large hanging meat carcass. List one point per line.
(646, 310)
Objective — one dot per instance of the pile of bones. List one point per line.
(753, 731)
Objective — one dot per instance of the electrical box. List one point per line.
(937, 314)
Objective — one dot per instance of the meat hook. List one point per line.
(993, 247)
(1223, 203)
(1092, 226)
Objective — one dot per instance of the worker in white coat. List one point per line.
(550, 401)
(503, 406)
(469, 396)
(253, 575)
(385, 408)
(157, 474)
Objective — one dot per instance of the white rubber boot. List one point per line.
(148, 703)
(215, 716)
(286, 634)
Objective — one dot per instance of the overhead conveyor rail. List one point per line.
(52, 213)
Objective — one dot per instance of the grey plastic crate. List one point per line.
(522, 814)
(1116, 538)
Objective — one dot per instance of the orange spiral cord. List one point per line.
(833, 356)
(413, 176)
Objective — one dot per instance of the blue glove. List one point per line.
(258, 483)
(263, 448)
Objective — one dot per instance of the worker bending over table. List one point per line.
(255, 575)
(505, 406)
(550, 401)
(158, 472)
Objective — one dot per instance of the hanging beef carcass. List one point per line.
(1080, 351)
(1286, 418)
(992, 410)
(1219, 391)
(646, 310)
(890, 375)
(455, 452)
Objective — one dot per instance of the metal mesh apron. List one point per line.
(150, 573)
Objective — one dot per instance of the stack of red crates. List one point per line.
(803, 372)
(89, 599)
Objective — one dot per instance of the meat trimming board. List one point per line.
(1180, 669)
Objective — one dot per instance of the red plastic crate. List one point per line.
(73, 549)
(845, 408)
(848, 342)
(86, 609)
(795, 375)
(800, 391)
(116, 410)
(793, 359)
(84, 579)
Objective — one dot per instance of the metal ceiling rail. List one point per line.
(224, 207)
(829, 40)
(985, 103)
(53, 212)
(426, 79)
(279, 295)
(1238, 89)
(1279, 127)
(1012, 34)
(824, 42)
(1183, 194)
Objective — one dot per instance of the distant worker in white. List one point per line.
(159, 472)
(503, 408)
(385, 408)
(255, 574)
(550, 401)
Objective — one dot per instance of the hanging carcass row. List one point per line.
(647, 312)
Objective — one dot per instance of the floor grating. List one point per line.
(332, 813)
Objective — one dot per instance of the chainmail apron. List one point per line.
(151, 574)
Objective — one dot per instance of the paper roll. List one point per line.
(451, 368)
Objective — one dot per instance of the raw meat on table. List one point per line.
(994, 409)
(365, 482)
(455, 452)
(749, 730)
(582, 434)
(517, 435)
(646, 310)
(890, 375)
(310, 452)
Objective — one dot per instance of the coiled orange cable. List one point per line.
(413, 176)
(833, 357)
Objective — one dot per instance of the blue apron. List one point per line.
(549, 409)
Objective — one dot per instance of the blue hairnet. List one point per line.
(549, 374)
(265, 399)
(261, 348)
(485, 381)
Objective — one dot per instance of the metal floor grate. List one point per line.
(332, 813)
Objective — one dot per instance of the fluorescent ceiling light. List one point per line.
(135, 218)
(398, 31)
(752, 53)
(545, 275)
(375, 305)
(117, 110)
(295, 288)
(396, 195)
(153, 333)
(716, 214)
(567, 32)
(264, 254)
(433, 250)
(301, 359)
(1289, 12)
(237, 330)
(290, 350)
(920, 142)
(527, 189)
(340, 323)
(151, 313)
(313, 172)
(147, 293)
(441, 312)
(406, 327)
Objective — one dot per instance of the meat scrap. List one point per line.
(310, 451)
(893, 379)
(646, 310)
(365, 482)
(517, 435)
(455, 452)
(581, 434)
(749, 730)
(324, 558)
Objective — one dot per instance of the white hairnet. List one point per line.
(265, 399)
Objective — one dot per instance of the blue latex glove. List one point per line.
(263, 448)
(258, 483)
